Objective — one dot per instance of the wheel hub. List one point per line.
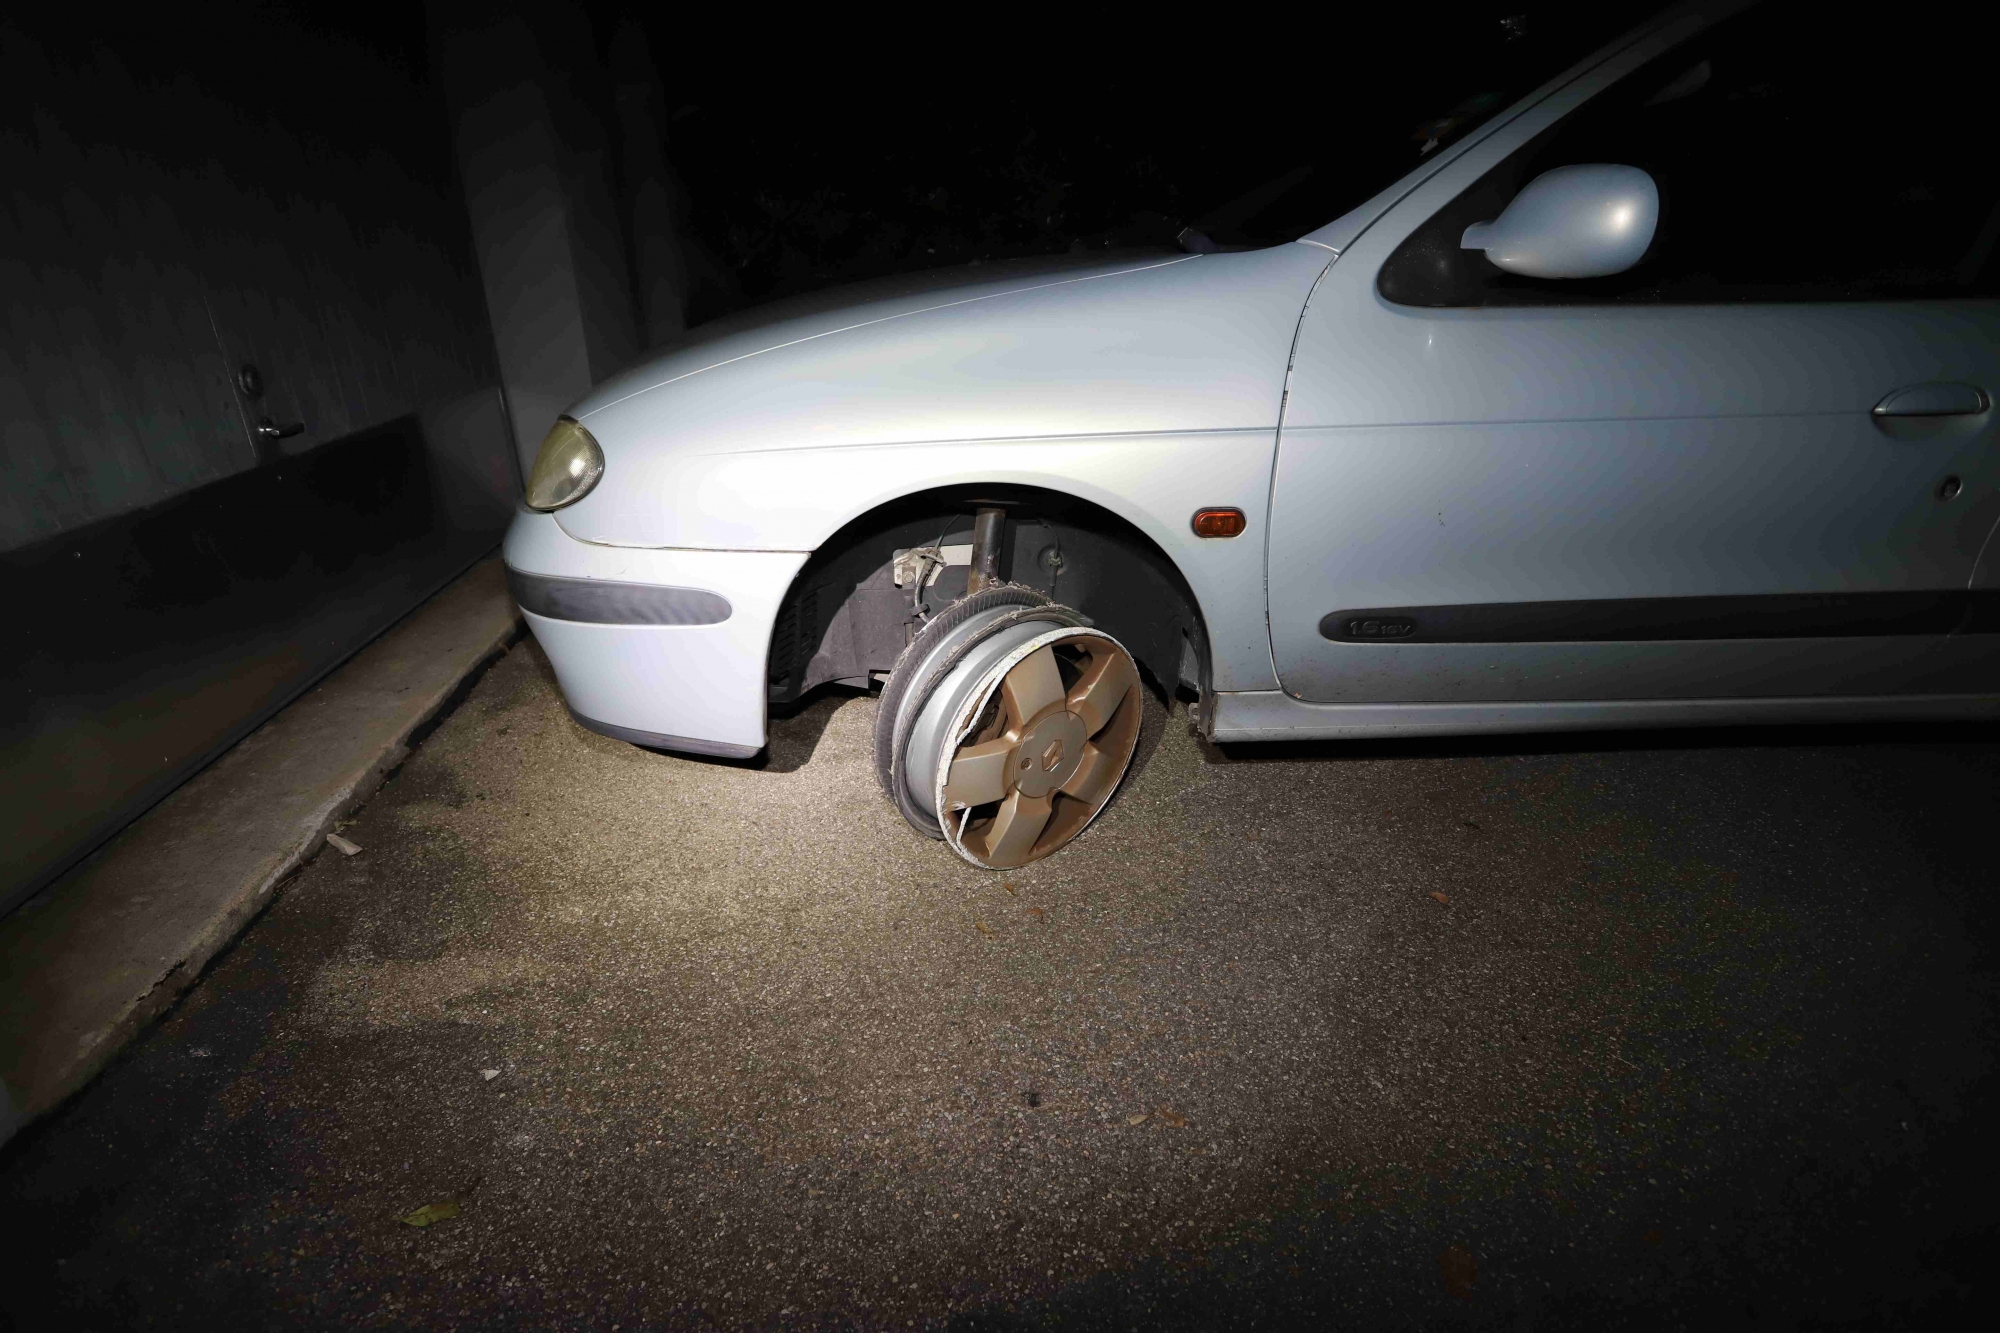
(1049, 753)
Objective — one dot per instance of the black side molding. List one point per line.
(604, 602)
(1653, 619)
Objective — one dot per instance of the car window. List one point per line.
(1800, 155)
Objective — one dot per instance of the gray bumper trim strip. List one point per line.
(654, 740)
(604, 602)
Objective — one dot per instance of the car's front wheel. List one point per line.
(1006, 726)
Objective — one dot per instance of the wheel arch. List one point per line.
(843, 618)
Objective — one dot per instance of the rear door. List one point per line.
(1761, 463)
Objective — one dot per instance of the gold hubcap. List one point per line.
(1053, 741)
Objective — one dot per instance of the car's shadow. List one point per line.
(795, 732)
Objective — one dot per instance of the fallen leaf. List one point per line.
(1440, 896)
(1174, 1118)
(1139, 1119)
(342, 845)
(1459, 1271)
(982, 928)
(429, 1213)
(1036, 911)
(489, 1074)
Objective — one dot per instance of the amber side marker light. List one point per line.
(1219, 522)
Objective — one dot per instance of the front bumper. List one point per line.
(659, 648)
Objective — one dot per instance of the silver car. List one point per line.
(1658, 395)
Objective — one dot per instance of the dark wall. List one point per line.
(187, 199)
(182, 200)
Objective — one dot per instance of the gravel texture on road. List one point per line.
(1599, 1030)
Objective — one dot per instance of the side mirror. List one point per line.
(1585, 221)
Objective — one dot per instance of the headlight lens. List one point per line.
(567, 467)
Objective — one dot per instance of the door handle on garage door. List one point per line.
(1933, 400)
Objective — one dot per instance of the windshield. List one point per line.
(1474, 64)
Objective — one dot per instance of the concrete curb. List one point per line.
(86, 964)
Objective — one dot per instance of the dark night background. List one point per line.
(943, 147)
(815, 151)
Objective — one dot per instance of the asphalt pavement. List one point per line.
(1637, 1030)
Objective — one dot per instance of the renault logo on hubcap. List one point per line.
(1049, 753)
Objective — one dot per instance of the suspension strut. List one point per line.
(988, 527)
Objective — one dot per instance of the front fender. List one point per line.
(795, 500)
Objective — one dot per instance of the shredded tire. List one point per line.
(903, 699)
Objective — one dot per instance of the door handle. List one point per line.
(1933, 400)
(268, 429)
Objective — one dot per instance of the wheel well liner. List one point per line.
(844, 617)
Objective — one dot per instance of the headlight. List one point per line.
(567, 467)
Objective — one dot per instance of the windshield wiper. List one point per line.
(1245, 206)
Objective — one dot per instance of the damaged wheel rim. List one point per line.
(1037, 747)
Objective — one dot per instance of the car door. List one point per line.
(1761, 463)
